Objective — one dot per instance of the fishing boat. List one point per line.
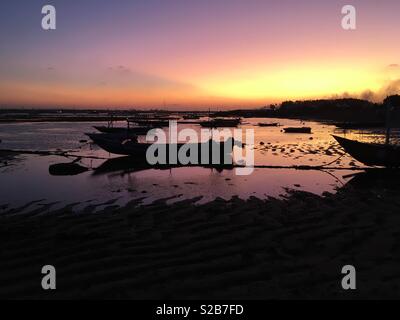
(377, 154)
(191, 117)
(131, 147)
(121, 130)
(151, 123)
(360, 125)
(297, 130)
(371, 154)
(267, 124)
(117, 145)
(221, 123)
(128, 130)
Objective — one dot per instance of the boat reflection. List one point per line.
(134, 164)
(376, 179)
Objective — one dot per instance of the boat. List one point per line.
(151, 123)
(121, 130)
(371, 154)
(128, 130)
(360, 125)
(297, 130)
(221, 123)
(267, 124)
(377, 154)
(131, 147)
(191, 117)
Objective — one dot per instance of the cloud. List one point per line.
(124, 76)
(393, 65)
(120, 70)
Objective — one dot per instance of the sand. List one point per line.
(255, 249)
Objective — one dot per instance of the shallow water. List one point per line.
(29, 179)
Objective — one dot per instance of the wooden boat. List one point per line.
(266, 124)
(371, 154)
(377, 154)
(130, 147)
(360, 125)
(151, 123)
(297, 130)
(128, 130)
(220, 123)
(191, 117)
(120, 130)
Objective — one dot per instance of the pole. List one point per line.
(388, 128)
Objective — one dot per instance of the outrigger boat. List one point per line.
(151, 123)
(128, 130)
(374, 154)
(297, 130)
(221, 123)
(191, 117)
(267, 124)
(131, 147)
(371, 154)
(121, 130)
(360, 125)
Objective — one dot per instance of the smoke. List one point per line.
(368, 95)
(390, 88)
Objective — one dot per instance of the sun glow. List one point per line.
(294, 83)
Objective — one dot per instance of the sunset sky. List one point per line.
(205, 53)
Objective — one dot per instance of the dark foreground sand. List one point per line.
(255, 249)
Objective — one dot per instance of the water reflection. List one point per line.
(376, 179)
(111, 177)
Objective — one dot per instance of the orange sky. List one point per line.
(218, 54)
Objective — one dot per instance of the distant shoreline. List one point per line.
(62, 119)
(348, 110)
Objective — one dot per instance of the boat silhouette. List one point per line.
(371, 154)
(376, 154)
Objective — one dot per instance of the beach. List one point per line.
(292, 248)
(118, 231)
(160, 151)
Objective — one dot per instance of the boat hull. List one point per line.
(211, 152)
(275, 124)
(371, 154)
(119, 130)
(297, 130)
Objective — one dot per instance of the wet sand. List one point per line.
(236, 249)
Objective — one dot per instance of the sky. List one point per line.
(181, 54)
